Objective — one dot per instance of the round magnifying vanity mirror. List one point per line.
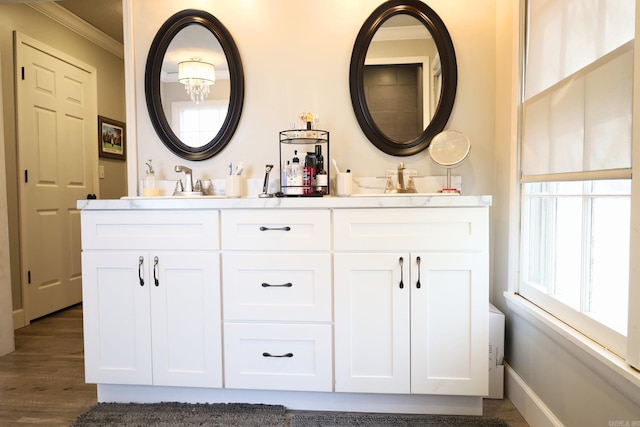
(448, 149)
(403, 77)
(194, 84)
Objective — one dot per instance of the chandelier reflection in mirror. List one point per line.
(196, 76)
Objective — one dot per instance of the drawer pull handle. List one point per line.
(277, 355)
(284, 285)
(401, 260)
(140, 263)
(155, 271)
(418, 285)
(263, 228)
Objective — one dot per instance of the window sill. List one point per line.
(613, 369)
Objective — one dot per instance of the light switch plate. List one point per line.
(101, 171)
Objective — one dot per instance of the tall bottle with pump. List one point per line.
(149, 186)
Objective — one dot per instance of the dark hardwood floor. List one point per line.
(42, 382)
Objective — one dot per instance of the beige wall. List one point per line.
(111, 103)
(6, 319)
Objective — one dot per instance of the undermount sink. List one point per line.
(182, 197)
(403, 194)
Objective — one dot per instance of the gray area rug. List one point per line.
(387, 420)
(249, 415)
(182, 414)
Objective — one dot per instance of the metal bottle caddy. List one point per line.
(305, 142)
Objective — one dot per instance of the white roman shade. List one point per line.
(578, 91)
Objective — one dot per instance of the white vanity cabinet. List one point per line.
(310, 303)
(411, 300)
(151, 285)
(277, 299)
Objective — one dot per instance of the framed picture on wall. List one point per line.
(111, 139)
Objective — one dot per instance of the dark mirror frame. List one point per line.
(444, 44)
(158, 48)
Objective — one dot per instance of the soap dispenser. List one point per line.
(149, 187)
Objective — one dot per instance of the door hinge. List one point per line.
(29, 277)
(22, 73)
(26, 176)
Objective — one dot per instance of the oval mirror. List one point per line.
(194, 85)
(403, 77)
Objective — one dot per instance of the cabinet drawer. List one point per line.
(411, 229)
(276, 230)
(277, 286)
(278, 356)
(175, 230)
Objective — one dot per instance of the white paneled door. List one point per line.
(57, 160)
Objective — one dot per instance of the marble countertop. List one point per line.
(327, 202)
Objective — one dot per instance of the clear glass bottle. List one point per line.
(296, 175)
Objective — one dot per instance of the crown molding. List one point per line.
(62, 16)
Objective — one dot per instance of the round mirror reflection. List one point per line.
(401, 78)
(195, 121)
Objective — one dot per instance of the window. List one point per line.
(576, 164)
(197, 124)
(576, 254)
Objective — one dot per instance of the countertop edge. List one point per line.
(173, 203)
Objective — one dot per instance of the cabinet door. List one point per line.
(186, 320)
(371, 322)
(116, 313)
(449, 324)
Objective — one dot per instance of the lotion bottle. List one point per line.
(149, 188)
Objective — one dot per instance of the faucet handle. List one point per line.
(411, 185)
(389, 185)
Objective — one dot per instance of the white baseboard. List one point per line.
(527, 402)
(18, 319)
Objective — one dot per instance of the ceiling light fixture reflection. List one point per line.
(196, 76)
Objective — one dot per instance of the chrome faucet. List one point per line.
(188, 187)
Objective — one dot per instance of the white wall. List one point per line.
(296, 57)
(6, 317)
